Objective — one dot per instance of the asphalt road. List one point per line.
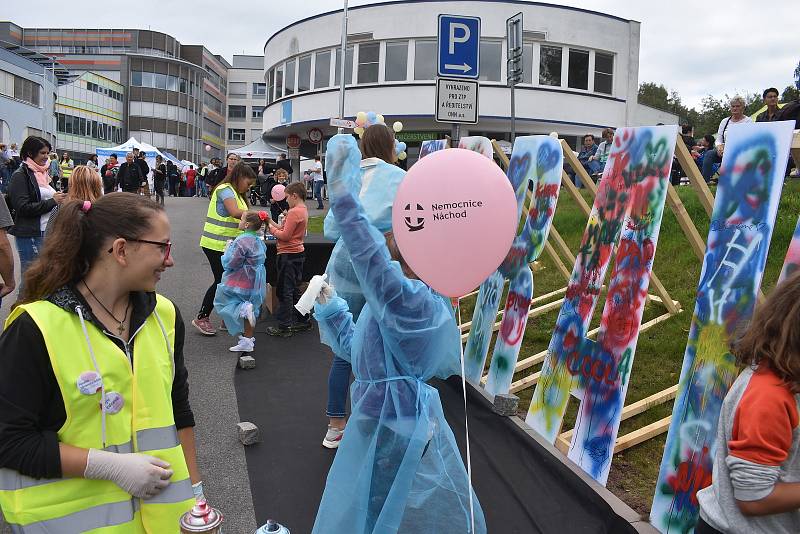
(220, 455)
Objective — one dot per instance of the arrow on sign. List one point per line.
(462, 68)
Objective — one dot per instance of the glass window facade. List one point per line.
(237, 112)
(288, 87)
(396, 62)
(603, 73)
(491, 58)
(271, 86)
(259, 89)
(550, 66)
(368, 56)
(257, 112)
(578, 70)
(348, 66)
(322, 69)
(236, 134)
(304, 74)
(20, 88)
(425, 60)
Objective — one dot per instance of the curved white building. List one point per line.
(580, 70)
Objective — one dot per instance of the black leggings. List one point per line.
(215, 260)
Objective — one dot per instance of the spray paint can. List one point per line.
(272, 527)
(201, 519)
(281, 217)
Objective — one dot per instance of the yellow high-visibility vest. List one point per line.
(218, 230)
(66, 170)
(144, 423)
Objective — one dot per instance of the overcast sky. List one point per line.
(693, 47)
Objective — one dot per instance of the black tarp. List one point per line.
(522, 487)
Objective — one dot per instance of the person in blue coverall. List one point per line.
(398, 468)
(376, 186)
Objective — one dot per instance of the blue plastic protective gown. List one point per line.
(376, 186)
(397, 468)
(244, 280)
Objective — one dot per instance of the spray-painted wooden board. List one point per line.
(751, 180)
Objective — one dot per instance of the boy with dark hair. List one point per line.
(291, 256)
(770, 114)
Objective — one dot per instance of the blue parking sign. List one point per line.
(459, 46)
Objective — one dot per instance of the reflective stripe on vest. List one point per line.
(66, 172)
(145, 424)
(218, 230)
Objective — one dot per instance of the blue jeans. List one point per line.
(710, 157)
(338, 384)
(28, 249)
(318, 192)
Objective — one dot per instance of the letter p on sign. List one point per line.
(453, 39)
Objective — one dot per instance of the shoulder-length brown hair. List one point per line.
(242, 171)
(85, 184)
(773, 336)
(378, 142)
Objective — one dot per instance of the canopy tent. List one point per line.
(171, 157)
(185, 164)
(259, 149)
(150, 152)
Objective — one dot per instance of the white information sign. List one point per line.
(343, 123)
(456, 101)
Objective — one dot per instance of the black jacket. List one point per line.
(26, 201)
(130, 177)
(31, 405)
(216, 176)
(143, 167)
(109, 182)
(284, 164)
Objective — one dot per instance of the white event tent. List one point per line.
(150, 152)
(259, 149)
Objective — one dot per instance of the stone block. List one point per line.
(506, 404)
(248, 433)
(247, 362)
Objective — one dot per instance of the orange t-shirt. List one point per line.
(290, 237)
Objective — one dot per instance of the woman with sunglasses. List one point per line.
(94, 400)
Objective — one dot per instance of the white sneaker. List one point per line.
(246, 344)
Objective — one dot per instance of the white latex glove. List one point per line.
(315, 285)
(140, 475)
(327, 293)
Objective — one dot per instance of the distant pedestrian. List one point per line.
(191, 175)
(219, 174)
(159, 179)
(55, 171)
(67, 165)
(92, 162)
(108, 173)
(130, 175)
(316, 175)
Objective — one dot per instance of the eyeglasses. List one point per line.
(166, 248)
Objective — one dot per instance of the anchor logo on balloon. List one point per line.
(419, 222)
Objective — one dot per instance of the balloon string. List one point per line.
(466, 433)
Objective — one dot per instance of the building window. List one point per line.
(527, 63)
(212, 127)
(26, 90)
(278, 82)
(237, 112)
(578, 73)
(368, 55)
(258, 112)
(259, 89)
(212, 103)
(236, 134)
(237, 89)
(304, 74)
(271, 86)
(322, 70)
(603, 72)
(490, 60)
(288, 86)
(424, 60)
(396, 62)
(550, 66)
(348, 66)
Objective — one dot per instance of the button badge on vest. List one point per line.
(89, 382)
(113, 402)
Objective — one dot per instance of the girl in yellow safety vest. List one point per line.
(94, 400)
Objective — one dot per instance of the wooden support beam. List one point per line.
(566, 182)
(534, 312)
(643, 434)
(498, 151)
(572, 159)
(557, 260)
(695, 177)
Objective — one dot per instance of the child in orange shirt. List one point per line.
(291, 256)
(756, 479)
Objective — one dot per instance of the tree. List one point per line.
(790, 93)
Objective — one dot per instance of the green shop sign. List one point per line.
(412, 137)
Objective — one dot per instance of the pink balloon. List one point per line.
(454, 219)
(208, 148)
(278, 192)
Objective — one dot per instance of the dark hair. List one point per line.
(31, 147)
(159, 157)
(253, 220)
(241, 171)
(773, 337)
(296, 188)
(114, 156)
(317, 157)
(686, 128)
(770, 90)
(589, 136)
(709, 139)
(79, 237)
(377, 141)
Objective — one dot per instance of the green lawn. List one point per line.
(660, 350)
(315, 224)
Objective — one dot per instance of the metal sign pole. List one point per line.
(343, 57)
(513, 117)
(514, 65)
